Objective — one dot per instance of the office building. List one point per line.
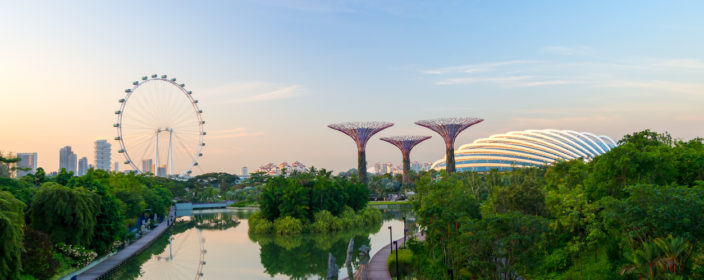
(147, 166)
(82, 166)
(28, 162)
(67, 159)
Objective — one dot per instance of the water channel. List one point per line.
(215, 244)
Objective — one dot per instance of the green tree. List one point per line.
(11, 235)
(67, 215)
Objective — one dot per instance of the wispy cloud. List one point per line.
(232, 133)
(247, 92)
(279, 93)
(654, 74)
(665, 86)
(476, 68)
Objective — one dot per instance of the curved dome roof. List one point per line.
(527, 148)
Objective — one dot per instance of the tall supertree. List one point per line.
(361, 132)
(449, 128)
(405, 144)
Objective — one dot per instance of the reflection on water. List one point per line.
(216, 243)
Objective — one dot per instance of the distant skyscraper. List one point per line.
(27, 160)
(67, 159)
(116, 168)
(102, 155)
(82, 166)
(245, 173)
(161, 171)
(147, 166)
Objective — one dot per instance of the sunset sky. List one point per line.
(270, 75)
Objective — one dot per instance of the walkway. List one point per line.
(123, 255)
(378, 268)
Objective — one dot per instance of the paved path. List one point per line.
(123, 255)
(377, 267)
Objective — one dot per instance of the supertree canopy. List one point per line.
(405, 144)
(361, 132)
(449, 128)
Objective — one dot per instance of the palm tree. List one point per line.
(643, 262)
(675, 252)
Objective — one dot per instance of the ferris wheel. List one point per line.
(160, 127)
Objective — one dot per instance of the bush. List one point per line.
(405, 259)
(371, 216)
(288, 225)
(38, 256)
(325, 222)
(258, 224)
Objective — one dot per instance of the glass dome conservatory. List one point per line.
(527, 148)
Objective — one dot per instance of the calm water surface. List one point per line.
(230, 253)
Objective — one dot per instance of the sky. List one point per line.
(270, 75)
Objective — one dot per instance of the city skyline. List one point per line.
(271, 75)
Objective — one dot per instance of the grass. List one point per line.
(405, 257)
(389, 202)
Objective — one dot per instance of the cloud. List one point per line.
(279, 93)
(232, 133)
(667, 75)
(247, 92)
(475, 68)
(656, 85)
(682, 63)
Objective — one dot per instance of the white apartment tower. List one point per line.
(102, 155)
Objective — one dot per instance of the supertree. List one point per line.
(405, 144)
(361, 132)
(449, 128)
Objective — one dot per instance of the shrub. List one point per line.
(371, 216)
(325, 222)
(38, 258)
(77, 253)
(288, 225)
(405, 258)
(259, 225)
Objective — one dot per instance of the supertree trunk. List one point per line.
(450, 158)
(362, 166)
(406, 168)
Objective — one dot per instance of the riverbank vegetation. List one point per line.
(52, 225)
(632, 213)
(312, 202)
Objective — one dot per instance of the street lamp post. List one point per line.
(404, 231)
(398, 276)
(391, 238)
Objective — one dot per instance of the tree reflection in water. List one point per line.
(301, 256)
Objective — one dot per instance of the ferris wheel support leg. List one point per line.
(156, 166)
(171, 152)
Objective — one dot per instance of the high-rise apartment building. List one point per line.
(102, 155)
(27, 161)
(161, 171)
(82, 166)
(116, 167)
(67, 159)
(147, 166)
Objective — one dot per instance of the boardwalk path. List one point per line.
(123, 255)
(378, 268)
